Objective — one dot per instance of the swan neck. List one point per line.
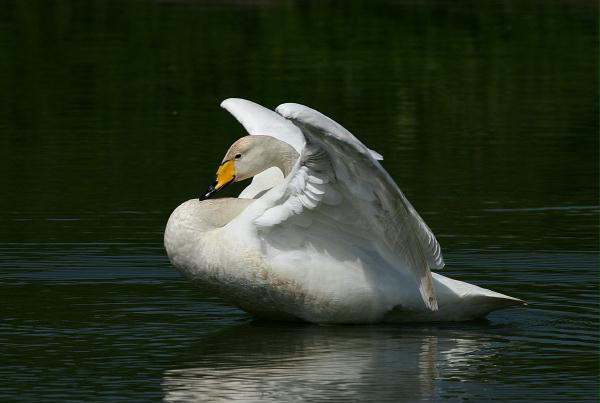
(285, 157)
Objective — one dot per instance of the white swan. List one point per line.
(322, 234)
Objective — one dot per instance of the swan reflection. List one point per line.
(283, 363)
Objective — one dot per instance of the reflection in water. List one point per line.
(282, 363)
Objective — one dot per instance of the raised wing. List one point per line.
(338, 188)
(258, 120)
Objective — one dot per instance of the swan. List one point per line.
(322, 234)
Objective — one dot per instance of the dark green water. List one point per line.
(486, 114)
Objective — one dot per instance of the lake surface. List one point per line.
(486, 114)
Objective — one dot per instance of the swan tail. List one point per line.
(457, 301)
(464, 301)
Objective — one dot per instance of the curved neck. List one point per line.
(281, 155)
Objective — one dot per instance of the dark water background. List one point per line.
(486, 114)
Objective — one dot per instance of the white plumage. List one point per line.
(334, 241)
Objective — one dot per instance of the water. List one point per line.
(486, 114)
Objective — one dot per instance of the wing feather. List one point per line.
(339, 184)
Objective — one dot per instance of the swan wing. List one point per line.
(339, 199)
(258, 120)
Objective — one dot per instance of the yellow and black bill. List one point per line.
(225, 176)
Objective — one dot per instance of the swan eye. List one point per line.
(238, 156)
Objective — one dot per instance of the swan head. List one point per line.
(249, 156)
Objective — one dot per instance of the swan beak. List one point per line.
(225, 175)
